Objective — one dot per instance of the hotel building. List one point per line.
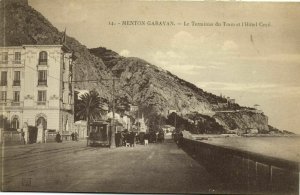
(36, 87)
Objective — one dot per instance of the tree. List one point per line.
(89, 107)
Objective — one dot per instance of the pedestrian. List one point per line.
(23, 137)
(117, 139)
(76, 136)
(146, 139)
(58, 137)
(132, 136)
(73, 136)
(122, 139)
(180, 140)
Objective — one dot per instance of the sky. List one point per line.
(252, 64)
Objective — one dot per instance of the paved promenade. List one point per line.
(73, 167)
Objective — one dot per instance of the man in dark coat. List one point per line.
(58, 137)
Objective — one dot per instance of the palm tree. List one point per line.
(89, 107)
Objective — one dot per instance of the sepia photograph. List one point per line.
(140, 96)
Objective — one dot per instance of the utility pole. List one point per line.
(113, 127)
(175, 120)
(138, 120)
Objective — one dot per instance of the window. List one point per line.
(16, 96)
(70, 99)
(17, 57)
(41, 97)
(15, 123)
(17, 78)
(4, 57)
(3, 78)
(3, 96)
(43, 58)
(42, 77)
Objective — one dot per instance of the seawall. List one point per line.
(244, 171)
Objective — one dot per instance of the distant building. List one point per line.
(168, 129)
(230, 101)
(141, 125)
(257, 109)
(123, 120)
(222, 105)
(80, 127)
(36, 87)
(171, 111)
(133, 108)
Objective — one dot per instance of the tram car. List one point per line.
(99, 134)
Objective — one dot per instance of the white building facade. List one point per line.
(36, 86)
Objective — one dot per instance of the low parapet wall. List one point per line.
(245, 171)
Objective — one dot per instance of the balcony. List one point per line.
(11, 105)
(42, 82)
(12, 63)
(17, 83)
(15, 103)
(41, 103)
(16, 61)
(43, 61)
(4, 62)
(3, 103)
(3, 83)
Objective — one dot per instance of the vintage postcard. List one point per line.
(149, 96)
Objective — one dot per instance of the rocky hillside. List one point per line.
(153, 89)
(148, 85)
(242, 120)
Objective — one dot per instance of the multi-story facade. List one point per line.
(36, 87)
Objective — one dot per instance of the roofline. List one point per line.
(64, 47)
(42, 45)
(10, 47)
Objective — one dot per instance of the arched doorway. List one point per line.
(41, 121)
(41, 124)
(15, 123)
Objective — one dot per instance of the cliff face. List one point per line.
(147, 85)
(153, 89)
(242, 120)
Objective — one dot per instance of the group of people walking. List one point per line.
(74, 137)
(131, 138)
(125, 139)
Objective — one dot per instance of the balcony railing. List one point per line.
(12, 63)
(12, 104)
(17, 83)
(16, 61)
(4, 62)
(43, 61)
(3, 102)
(42, 82)
(3, 83)
(41, 103)
(15, 103)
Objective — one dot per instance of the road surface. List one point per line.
(73, 167)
